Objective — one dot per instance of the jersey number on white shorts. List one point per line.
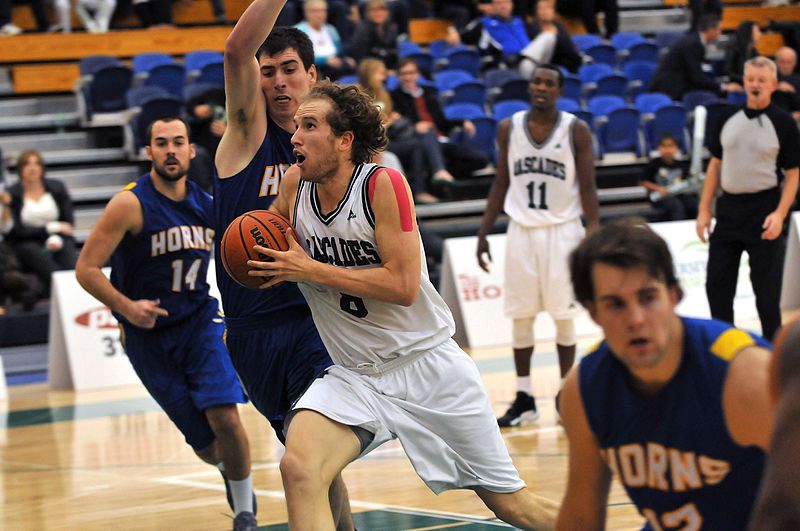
(353, 305)
(541, 191)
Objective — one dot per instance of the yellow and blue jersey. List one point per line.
(673, 452)
(253, 188)
(168, 259)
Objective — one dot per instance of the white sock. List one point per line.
(524, 385)
(242, 492)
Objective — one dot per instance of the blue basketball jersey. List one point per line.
(673, 452)
(253, 188)
(168, 259)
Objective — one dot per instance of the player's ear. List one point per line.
(192, 150)
(346, 140)
(149, 152)
(312, 73)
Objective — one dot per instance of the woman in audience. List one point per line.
(42, 212)
(420, 154)
(376, 35)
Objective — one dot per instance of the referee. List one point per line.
(754, 152)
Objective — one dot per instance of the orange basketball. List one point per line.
(258, 227)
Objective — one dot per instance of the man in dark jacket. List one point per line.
(681, 69)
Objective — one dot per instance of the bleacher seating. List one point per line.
(504, 109)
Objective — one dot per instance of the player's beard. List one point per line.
(162, 172)
(323, 170)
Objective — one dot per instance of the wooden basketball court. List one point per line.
(112, 459)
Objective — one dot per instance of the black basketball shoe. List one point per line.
(522, 411)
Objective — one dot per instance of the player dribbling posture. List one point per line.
(397, 372)
(158, 233)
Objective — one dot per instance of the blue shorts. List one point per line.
(277, 358)
(186, 369)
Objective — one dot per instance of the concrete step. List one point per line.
(93, 183)
(79, 156)
(35, 106)
(42, 121)
(12, 145)
(654, 20)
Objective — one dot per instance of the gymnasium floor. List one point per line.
(105, 459)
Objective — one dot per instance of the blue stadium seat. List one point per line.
(693, 98)
(602, 105)
(602, 53)
(643, 51)
(90, 64)
(448, 79)
(639, 74)
(213, 73)
(463, 111)
(586, 116)
(586, 40)
(138, 96)
(144, 62)
(513, 89)
(667, 119)
(572, 88)
(611, 85)
(618, 132)
(469, 92)
(589, 74)
(650, 102)
(203, 91)
(440, 47)
(665, 39)
(152, 110)
(197, 59)
(171, 77)
(106, 90)
(624, 40)
(504, 109)
(484, 139)
(568, 105)
(424, 60)
(465, 59)
(736, 98)
(495, 77)
(348, 80)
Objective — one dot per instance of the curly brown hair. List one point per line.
(353, 110)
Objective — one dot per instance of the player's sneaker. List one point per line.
(245, 521)
(522, 411)
(229, 495)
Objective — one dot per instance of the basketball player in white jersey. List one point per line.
(545, 181)
(397, 374)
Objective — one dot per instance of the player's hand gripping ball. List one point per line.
(258, 227)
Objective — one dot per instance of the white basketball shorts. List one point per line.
(439, 410)
(537, 270)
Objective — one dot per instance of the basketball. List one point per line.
(258, 227)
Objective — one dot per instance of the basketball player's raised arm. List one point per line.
(745, 398)
(395, 280)
(246, 108)
(122, 214)
(584, 166)
(589, 479)
(497, 195)
(710, 186)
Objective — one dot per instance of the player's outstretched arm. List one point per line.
(122, 214)
(745, 398)
(497, 195)
(397, 237)
(589, 479)
(584, 165)
(246, 108)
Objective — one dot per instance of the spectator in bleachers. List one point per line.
(207, 121)
(499, 35)
(328, 55)
(421, 155)
(95, 15)
(421, 106)
(787, 96)
(6, 26)
(14, 283)
(460, 12)
(42, 234)
(681, 69)
(739, 49)
(662, 175)
(589, 9)
(563, 52)
(39, 10)
(376, 35)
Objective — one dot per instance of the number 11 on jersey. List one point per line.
(542, 190)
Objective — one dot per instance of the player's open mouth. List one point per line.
(638, 342)
(300, 157)
(282, 99)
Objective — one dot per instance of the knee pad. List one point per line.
(565, 332)
(522, 332)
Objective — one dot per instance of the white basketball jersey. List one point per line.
(363, 333)
(543, 189)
